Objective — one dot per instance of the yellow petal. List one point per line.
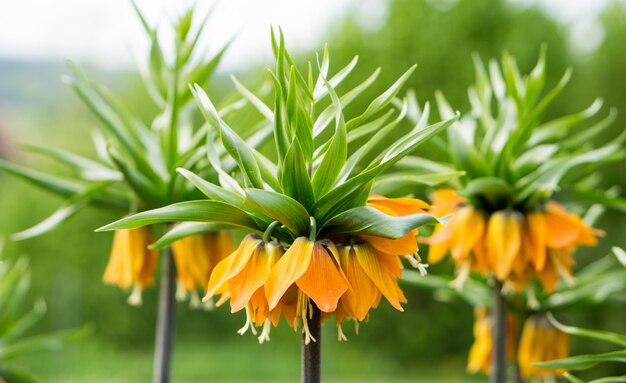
(503, 241)
(562, 229)
(401, 246)
(322, 281)
(401, 206)
(480, 353)
(362, 293)
(535, 239)
(253, 275)
(445, 201)
(468, 226)
(439, 242)
(232, 265)
(219, 245)
(288, 269)
(382, 279)
(192, 261)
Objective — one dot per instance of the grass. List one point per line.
(239, 360)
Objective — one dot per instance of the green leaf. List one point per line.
(390, 184)
(113, 117)
(280, 207)
(281, 132)
(609, 379)
(561, 127)
(620, 254)
(211, 190)
(605, 336)
(327, 115)
(382, 100)
(89, 169)
(141, 185)
(474, 291)
(189, 211)
(63, 213)
(321, 90)
(235, 145)
(329, 204)
(187, 229)
(335, 156)
(202, 72)
(254, 100)
(294, 176)
(58, 185)
(369, 221)
(494, 190)
(584, 362)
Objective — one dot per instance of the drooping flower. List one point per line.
(480, 355)
(195, 257)
(343, 276)
(540, 342)
(131, 264)
(512, 245)
(405, 246)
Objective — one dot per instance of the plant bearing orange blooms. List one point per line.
(132, 264)
(512, 245)
(317, 239)
(342, 276)
(540, 341)
(480, 358)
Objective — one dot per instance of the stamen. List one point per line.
(356, 325)
(181, 292)
(265, 334)
(208, 304)
(307, 313)
(461, 277)
(533, 302)
(341, 336)
(194, 300)
(249, 325)
(507, 288)
(135, 299)
(416, 261)
(567, 277)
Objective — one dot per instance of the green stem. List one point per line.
(498, 355)
(313, 232)
(166, 315)
(311, 353)
(267, 235)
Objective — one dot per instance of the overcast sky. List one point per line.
(106, 32)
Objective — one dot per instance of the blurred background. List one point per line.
(428, 342)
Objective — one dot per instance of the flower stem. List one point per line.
(311, 352)
(498, 356)
(166, 315)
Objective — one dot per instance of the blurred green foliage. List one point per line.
(437, 35)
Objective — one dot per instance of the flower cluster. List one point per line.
(540, 341)
(512, 245)
(132, 263)
(344, 276)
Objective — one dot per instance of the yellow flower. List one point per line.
(540, 342)
(345, 277)
(195, 257)
(131, 264)
(480, 352)
(512, 245)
